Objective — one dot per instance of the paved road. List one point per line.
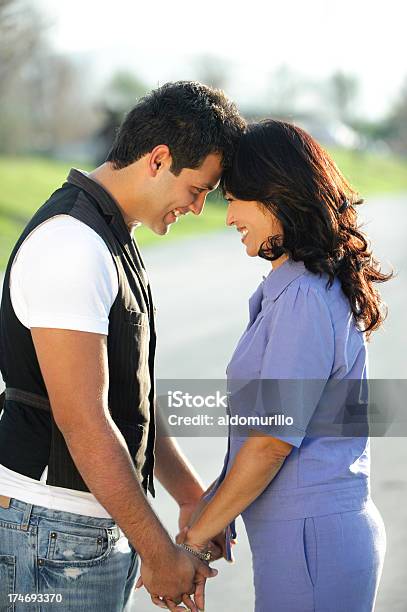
(201, 288)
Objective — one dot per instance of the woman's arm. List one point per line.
(255, 466)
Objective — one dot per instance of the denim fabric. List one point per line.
(80, 562)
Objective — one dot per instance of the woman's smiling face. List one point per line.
(253, 221)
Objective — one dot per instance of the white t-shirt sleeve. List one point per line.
(64, 277)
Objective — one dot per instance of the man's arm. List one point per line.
(75, 370)
(175, 472)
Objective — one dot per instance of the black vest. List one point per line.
(131, 343)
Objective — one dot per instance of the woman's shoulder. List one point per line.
(319, 287)
(294, 291)
(311, 295)
(312, 286)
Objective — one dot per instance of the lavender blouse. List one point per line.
(300, 356)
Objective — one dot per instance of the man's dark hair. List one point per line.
(192, 119)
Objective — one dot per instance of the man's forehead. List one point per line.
(211, 180)
(211, 185)
(210, 171)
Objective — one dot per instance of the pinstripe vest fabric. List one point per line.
(131, 338)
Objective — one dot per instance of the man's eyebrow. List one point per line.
(207, 187)
(211, 187)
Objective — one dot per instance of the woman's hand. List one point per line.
(183, 538)
(220, 542)
(216, 546)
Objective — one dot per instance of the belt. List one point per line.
(28, 398)
(115, 532)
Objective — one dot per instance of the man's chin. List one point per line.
(161, 230)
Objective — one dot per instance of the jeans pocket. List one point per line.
(7, 582)
(309, 549)
(71, 548)
(10, 518)
(133, 567)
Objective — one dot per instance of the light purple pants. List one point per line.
(330, 563)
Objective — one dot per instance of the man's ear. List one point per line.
(160, 157)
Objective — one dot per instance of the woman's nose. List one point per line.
(229, 216)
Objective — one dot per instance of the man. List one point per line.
(77, 437)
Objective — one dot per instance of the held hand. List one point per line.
(173, 578)
(170, 604)
(200, 583)
(220, 542)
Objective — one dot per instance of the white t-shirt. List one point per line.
(63, 276)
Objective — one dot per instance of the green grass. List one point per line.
(27, 182)
(372, 174)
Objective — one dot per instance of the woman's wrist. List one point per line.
(196, 540)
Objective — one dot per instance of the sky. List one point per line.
(163, 41)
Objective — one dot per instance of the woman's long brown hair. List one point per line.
(283, 168)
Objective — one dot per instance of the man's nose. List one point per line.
(197, 207)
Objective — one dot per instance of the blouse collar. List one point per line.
(277, 280)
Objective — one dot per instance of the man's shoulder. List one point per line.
(60, 202)
(63, 231)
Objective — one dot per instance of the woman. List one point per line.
(301, 486)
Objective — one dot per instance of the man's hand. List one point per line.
(190, 511)
(173, 577)
(186, 513)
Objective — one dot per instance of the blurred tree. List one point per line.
(21, 34)
(61, 114)
(43, 105)
(398, 122)
(21, 38)
(284, 91)
(390, 132)
(120, 94)
(343, 92)
(212, 70)
(123, 90)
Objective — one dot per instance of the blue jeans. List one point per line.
(53, 560)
